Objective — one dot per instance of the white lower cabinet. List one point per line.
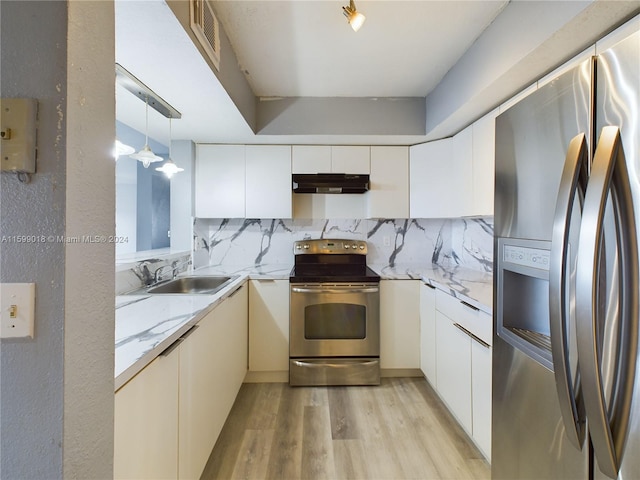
(462, 361)
(169, 416)
(454, 369)
(399, 324)
(428, 333)
(145, 423)
(213, 364)
(481, 394)
(268, 325)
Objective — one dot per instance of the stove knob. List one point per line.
(354, 246)
(306, 246)
(361, 247)
(299, 247)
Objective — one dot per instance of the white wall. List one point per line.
(56, 392)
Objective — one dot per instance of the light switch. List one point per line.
(17, 310)
(18, 134)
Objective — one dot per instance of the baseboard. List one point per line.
(283, 376)
(400, 372)
(267, 377)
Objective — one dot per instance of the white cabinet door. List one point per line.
(400, 324)
(454, 369)
(268, 181)
(430, 187)
(428, 343)
(388, 196)
(146, 422)
(484, 132)
(311, 159)
(220, 181)
(213, 364)
(481, 390)
(268, 325)
(350, 159)
(461, 174)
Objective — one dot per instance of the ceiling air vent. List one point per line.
(206, 28)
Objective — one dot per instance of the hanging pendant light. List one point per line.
(169, 167)
(146, 155)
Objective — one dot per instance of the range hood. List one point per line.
(330, 183)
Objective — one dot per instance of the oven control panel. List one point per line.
(333, 246)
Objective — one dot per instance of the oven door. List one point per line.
(335, 320)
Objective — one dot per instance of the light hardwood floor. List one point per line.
(398, 430)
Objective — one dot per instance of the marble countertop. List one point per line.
(146, 325)
(471, 286)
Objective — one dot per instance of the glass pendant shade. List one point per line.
(169, 167)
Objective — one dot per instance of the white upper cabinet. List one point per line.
(311, 159)
(435, 190)
(238, 181)
(462, 172)
(388, 196)
(330, 159)
(484, 134)
(268, 181)
(220, 181)
(350, 159)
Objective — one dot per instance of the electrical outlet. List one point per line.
(17, 309)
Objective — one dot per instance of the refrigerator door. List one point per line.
(528, 432)
(617, 101)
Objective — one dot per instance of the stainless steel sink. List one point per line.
(205, 285)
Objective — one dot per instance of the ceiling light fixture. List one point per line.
(169, 167)
(146, 155)
(355, 18)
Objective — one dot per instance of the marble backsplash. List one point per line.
(465, 242)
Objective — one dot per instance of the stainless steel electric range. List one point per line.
(334, 328)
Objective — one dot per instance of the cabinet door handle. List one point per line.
(468, 305)
(167, 351)
(473, 337)
(430, 286)
(235, 291)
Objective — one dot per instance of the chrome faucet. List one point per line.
(159, 273)
(175, 267)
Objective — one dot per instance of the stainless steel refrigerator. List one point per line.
(566, 386)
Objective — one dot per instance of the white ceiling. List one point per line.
(306, 48)
(290, 48)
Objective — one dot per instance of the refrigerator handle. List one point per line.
(572, 184)
(608, 424)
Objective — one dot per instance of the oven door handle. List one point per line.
(337, 291)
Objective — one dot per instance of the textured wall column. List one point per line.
(56, 390)
(90, 264)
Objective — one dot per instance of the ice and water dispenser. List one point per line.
(523, 297)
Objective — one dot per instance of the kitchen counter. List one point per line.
(148, 324)
(471, 286)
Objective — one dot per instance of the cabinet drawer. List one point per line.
(475, 321)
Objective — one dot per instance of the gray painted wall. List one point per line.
(527, 40)
(56, 391)
(342, 116)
